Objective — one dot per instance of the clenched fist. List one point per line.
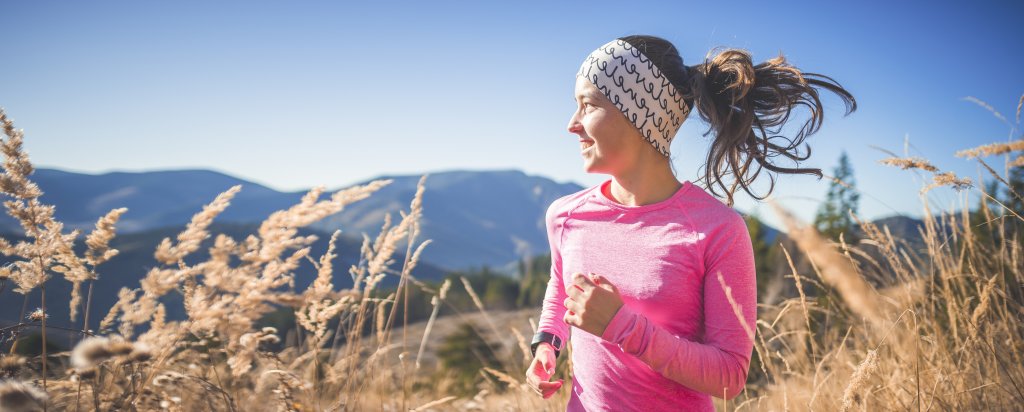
(592, 303)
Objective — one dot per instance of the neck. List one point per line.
(644, 185)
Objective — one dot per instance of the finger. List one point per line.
(582, 281)
(540, 370)
(603, 281)
(571, 305)
(574, 319)
(569, 319)
(575, 285)
(554, 387)
(546, 386)
(549, 367)
(574, 291)
(531, 383)
(539, 386)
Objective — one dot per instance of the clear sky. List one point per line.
(298, 94)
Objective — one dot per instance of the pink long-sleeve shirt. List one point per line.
(676, 340)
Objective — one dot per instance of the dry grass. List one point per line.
(909, 163)
(217, 358)
(947, 347)
(934, 329)
(931, 329)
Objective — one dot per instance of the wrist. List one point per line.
(544, 346)
(612, 317)
(550, 340)
(620, 322)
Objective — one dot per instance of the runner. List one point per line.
(639, 261)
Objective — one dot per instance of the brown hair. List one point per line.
(741, 102)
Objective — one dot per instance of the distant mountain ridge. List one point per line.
(154, 199)
(474, 218)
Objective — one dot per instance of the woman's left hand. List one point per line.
(592, 303)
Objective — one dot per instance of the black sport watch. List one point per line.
(551, 338)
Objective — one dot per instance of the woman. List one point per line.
(644, 266)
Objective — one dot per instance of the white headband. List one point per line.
(631, 80)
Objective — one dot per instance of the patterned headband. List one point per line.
(639, 89)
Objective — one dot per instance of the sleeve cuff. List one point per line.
(619, 326)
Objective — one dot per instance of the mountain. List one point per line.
(135, 257)
(474, 218)
(908, 230)
(154, 199)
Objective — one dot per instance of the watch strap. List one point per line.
(548, 337)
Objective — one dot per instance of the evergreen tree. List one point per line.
(535, 273)
(1010, 196)
(1014, 196)
(833, 216)
(991, 221)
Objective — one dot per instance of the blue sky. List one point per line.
(298, 94)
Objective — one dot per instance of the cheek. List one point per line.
(597, 128)
(609, 137)
(621, 125)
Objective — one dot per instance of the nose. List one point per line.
(574, 124)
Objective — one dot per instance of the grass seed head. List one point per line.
(90, 352)
(18, 396)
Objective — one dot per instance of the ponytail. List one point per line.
(741, 102)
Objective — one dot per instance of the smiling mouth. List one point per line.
(584, 145)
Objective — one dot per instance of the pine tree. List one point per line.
(991, 221)
(535, 273)
(833, 216)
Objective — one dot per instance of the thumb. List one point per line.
(603, 281)
(549, 365)
(541, 369)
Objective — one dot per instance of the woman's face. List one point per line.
(609, 143)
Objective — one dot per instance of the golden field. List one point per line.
(889, 327)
